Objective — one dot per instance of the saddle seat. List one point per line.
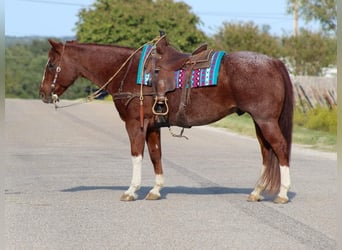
(175, 60)
(200, 49)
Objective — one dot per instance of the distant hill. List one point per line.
(13, 40)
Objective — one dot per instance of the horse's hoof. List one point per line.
(253, 198)
(152, 196)
(127, 197)
(281, 200)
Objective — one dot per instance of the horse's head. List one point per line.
(59, 73)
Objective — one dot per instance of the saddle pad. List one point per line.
(199, 77)
(143, 77)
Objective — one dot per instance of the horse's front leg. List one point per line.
(137, 137)
(154, 148)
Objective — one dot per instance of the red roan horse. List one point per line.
(247, 82)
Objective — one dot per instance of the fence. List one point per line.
(312, 92)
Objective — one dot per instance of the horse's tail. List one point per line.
(286, 116)
(271, 176)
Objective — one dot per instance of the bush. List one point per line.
(322, 119)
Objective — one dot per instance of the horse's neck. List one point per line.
(98, 63)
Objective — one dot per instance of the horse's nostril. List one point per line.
(42, 95)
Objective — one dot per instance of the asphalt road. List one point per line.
(66, 171)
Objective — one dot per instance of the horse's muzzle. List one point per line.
(44, 98)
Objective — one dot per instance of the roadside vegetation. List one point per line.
(316, 129)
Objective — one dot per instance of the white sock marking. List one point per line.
(285, 181)
(136, 176)
(158, 186)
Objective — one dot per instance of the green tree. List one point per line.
(309, 52)
(19, 75)
(246, 36)
(25, 63)
(325, 12)
(132, 23)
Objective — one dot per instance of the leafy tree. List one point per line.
(18, 74)
(246, 36)
(325, 12)
(25, 64)
(309, 52)
(132, 23)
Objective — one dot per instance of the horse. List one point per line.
(248, 82)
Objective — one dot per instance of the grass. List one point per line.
(309, 138)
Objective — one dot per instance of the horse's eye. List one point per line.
(51, 65)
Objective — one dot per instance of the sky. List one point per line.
(57, 18)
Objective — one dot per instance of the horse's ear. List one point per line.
(57, 46)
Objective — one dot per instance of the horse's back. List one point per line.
(250, 69)
(256, 79)
(249, 61)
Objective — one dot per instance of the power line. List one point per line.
(245, 15)
(55, 2)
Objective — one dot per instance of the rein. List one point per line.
(92, 96)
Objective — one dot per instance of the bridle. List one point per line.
(54, 96)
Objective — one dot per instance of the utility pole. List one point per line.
(295, 17)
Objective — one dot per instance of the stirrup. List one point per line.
(160, 113)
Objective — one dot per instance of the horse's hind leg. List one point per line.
(255, 195)
(276, 172)
(154, 147)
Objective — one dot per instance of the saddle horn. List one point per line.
(161, 42)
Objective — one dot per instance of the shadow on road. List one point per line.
(175, 190)
(168, 190)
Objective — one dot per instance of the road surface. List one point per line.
(66, 171)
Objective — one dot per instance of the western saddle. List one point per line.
(165, 60)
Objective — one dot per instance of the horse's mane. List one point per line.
(75, 42)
